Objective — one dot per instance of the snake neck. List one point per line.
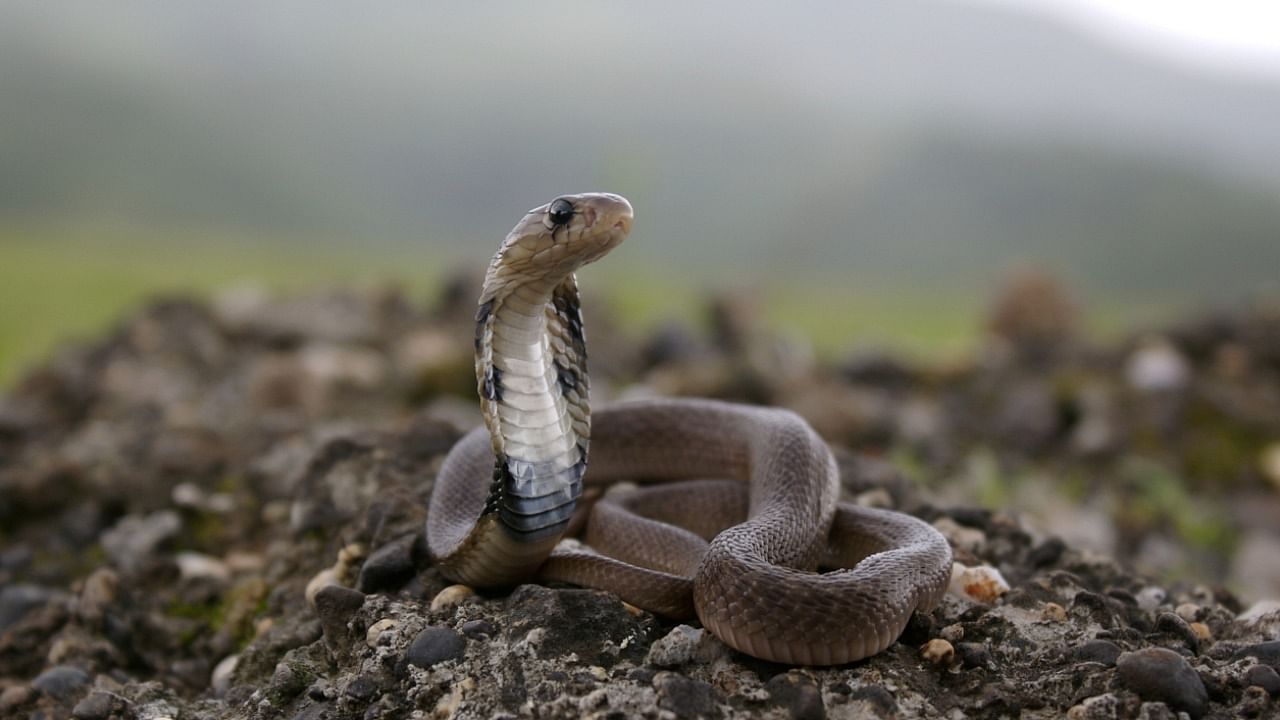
(531, 371)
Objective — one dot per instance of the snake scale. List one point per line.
(753, 540)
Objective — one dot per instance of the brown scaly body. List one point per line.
(747, 564)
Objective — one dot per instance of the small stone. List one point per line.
(479, 628)
(1187, 611)
(1053, 612)
(1097, 651)
(389, 567)
(1151, 598)
(1254, 702)
(685, 697)
(1202, 632)
(1265, 677)
(1047, 552)
(798, 694)
(982, 584)
(974, 655)
(1172, 624)
(1267, 653)
(15, 696)
(965, 538)
(1157, 366)
(373, 635)
(676, 648)
(100, 591)
(335, 605)
(220, 678)
(193, 566)
(133, 541)
(363, 688)
(435, 645)
(17, 600)
(939, 652)
(1100, 707)
(952, 633)
(97, 706)
(63, 683)
(321, 580)
(451, 596)
(1162, 675)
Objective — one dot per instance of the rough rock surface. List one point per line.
(216, 512)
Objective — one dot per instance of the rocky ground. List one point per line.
(216, 512)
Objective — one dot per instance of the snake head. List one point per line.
(552, 241)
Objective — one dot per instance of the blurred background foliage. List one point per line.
(874, 167)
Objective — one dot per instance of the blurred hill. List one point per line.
(904, 144)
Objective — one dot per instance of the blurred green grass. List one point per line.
(65, 283)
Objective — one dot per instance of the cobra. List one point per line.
(726, 511)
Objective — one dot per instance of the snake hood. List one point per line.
(531, 360)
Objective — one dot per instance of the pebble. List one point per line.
(1099, 707)
(334, 606)
(193, 566)
(982, 584)
(100, 591)
(938, 652)
(479, 628)
(63, 682)
(97, 706)
(1267, 653)
(1164, 676)
(798, 694)
(15, 696)
(1157, 366)
(1053, 612)
(319, 581)
(451, 596)
(965, 538)
(220, 678)
(1151, 598)
(1265, 677)
(686, 697)
(676, 648)
(435, 645)
(1269, 462)
(1098, 651)
(17, 600)
(373, 635)
(1187, 611)
(389, 567)
(133, 541)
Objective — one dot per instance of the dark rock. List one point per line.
(335, 605)
(63, 682)
(388, 567)
(1267, 653)
(576, 621)
(1265, 677)
(1098, 651)
(973, 655)
(97, 706)
(480, 628)
(434, 645)
(17, 600)
(968, 516)
(798, 694)
(878, 699)
(288, 681)
(686, 697)
(1172, 624)
(362, 688)
(1047, 552)
(1164, 676)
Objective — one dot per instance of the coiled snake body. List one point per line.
(742, 550)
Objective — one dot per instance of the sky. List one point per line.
(1232, 35)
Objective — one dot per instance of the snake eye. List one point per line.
(560, 212)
